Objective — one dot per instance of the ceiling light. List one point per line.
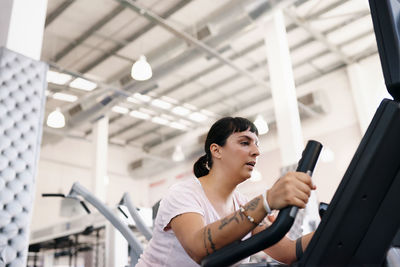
(177, 125)
(185, 122)
(57, 77)
(83, 84)
(178, 154)
(65, 97)
(141, 70)
(255, 176)
(168, 117)
(208, 113)
(56, 119)
(197, 116)
(132, 100)
(160, 120)
(189, 106)
(261, 125)
(161, 104)
(148, 111)
(327, 155)
(169, 99)
(180, 110)
(139, 115)
(119, 109)
(144, 98)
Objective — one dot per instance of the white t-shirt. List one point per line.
(164, 249)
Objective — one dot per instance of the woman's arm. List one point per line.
(285, 250)
(200, 240)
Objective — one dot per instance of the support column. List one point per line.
(116, 247)
(283, 90)
(22, 100)
(287, 116)
(22, 26)
(100, 151)
(367, 94)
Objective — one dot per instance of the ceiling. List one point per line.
(208, 59)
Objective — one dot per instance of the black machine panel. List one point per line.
(386, 20)
(363, 217)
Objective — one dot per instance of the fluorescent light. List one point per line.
(141, 70)
(208, 113)
(119, 109)
(197, 116)
(57, 77)
(168, 117)
(148, 111)
(177, 125)
(139, 115)
(65, 97)
(180, 110)
(144, 98)
(185, 122)
(56, 119)
(160, 120)
(161, 104)
(178, 154)
(132, 100)
(169, 99)
(261, 125)
(189, 106)
(83, 84)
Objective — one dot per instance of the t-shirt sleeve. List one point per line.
(179, 200)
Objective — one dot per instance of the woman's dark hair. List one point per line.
(218, 133)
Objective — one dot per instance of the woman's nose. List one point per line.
(255, 151)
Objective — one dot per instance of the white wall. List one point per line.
(66, 162)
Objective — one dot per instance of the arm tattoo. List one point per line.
(225, 221)
(205, 241)
(252, 205)
(210, 240)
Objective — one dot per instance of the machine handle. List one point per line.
(52, 195)
(239, 250)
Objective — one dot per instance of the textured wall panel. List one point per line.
(22, 98)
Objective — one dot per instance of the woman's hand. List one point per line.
(293, 189)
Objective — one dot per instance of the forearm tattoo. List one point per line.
(225, 221)
(205, 240)
(210, 240)
(252, 205)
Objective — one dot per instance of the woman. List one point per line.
(199, 216)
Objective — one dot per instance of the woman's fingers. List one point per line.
(292, 189)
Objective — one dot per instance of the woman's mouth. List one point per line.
(251, 164)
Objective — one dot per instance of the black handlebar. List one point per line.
(239, 250)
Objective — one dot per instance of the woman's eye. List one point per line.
(245, 143)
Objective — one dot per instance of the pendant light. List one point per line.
(141, 69)
(261, 125)
(56, 119)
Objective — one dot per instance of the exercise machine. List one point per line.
(78, 191)
(362, 219)
(133, 211)
(241, 249)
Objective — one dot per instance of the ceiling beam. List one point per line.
(317, 35)
(57, 12)
(133, 37)
(103, 21)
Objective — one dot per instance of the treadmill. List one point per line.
(363, 217)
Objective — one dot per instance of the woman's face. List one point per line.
(239, 154)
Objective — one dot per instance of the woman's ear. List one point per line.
(215, 151)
